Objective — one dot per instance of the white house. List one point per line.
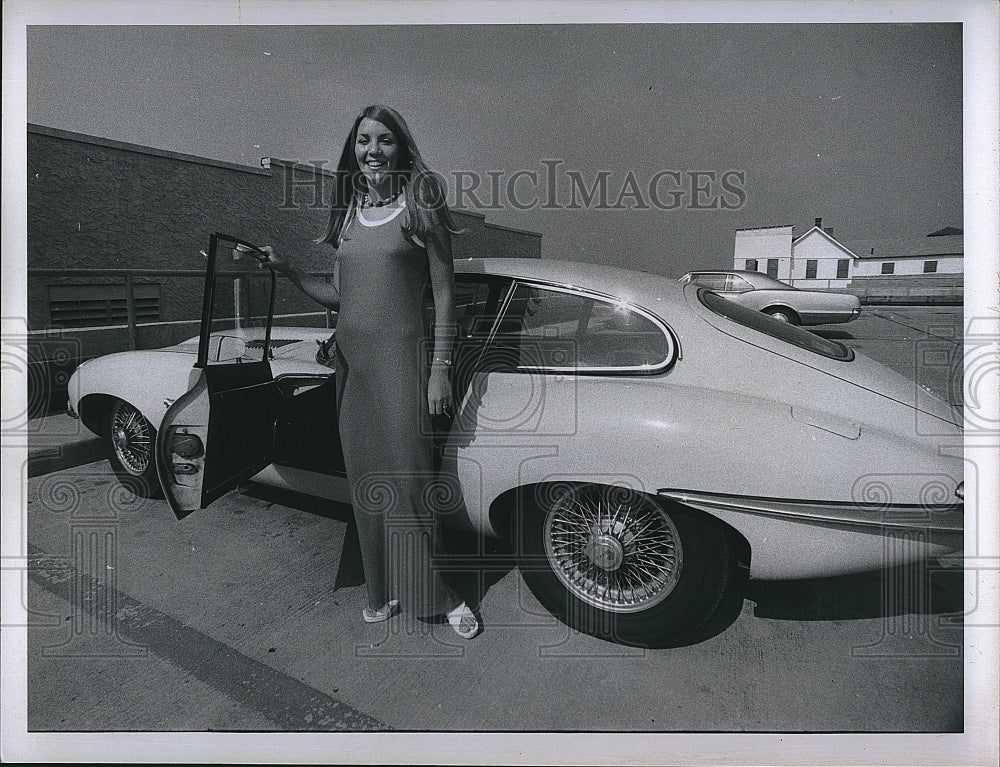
(937, 253)
(816, 259)
(765, 249)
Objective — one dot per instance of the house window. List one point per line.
(811, 269)
(80, 306)
(843, 266)
(751, 265)
(930, 267)
(888, 267)
(772, 268)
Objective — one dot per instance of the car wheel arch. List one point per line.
(797, 319)
(506, 505)
(665, 593)
(93, 410)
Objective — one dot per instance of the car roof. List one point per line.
(755, 278)
(723, 271)
(644, 288)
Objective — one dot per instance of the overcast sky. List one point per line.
(860, 124)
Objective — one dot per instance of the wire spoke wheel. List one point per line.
(131, 438)
(131, 442)
(621, 565)
(618, 552)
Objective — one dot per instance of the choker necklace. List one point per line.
(366, 201)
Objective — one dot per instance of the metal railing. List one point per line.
(130, 275)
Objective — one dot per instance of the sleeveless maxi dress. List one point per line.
(385, 427)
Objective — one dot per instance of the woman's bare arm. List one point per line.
(320, 291)
(442, 273)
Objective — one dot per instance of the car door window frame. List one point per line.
(208, 304)
(673, 345)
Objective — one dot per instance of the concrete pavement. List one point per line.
(232, 619)
(59, 441)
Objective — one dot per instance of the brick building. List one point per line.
(98, 204)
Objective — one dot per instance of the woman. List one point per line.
(392, 232)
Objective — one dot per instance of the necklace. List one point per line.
(366, 201)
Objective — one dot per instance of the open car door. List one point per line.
(221, 432)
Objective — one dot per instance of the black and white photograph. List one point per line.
(425, 382)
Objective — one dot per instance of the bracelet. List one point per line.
(442, 361)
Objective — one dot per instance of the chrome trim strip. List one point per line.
(944, 518)
(502, 305)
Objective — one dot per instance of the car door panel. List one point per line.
(241, 424)
(221, 431)
(478, 298)
(210, 441)
(307, 432)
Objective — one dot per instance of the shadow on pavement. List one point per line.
(349, 568)
(474, 562)
(923, 590)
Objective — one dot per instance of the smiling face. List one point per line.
(377, 151)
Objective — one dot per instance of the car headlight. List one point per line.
(960, 490)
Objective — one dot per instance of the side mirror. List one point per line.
(225, 349)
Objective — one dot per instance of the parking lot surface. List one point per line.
(246, 617)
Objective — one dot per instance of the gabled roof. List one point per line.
(940, 245)
(829, 237)
(760, 228)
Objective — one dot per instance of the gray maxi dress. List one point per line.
(385, 427)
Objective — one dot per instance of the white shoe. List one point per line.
(383, 614)
(464, 621)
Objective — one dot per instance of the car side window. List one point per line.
(736, 284)
(472, 300)
(476, 299)
(710, 281)
(562, 330)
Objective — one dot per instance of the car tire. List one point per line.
(131, 445)
(621, 565)
(783, 315)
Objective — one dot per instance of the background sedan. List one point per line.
(762, 293)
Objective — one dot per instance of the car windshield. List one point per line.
(775, 328)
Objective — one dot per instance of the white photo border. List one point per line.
(976, 746)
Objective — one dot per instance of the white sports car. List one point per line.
(627, 433)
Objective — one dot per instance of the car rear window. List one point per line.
(775, 328)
